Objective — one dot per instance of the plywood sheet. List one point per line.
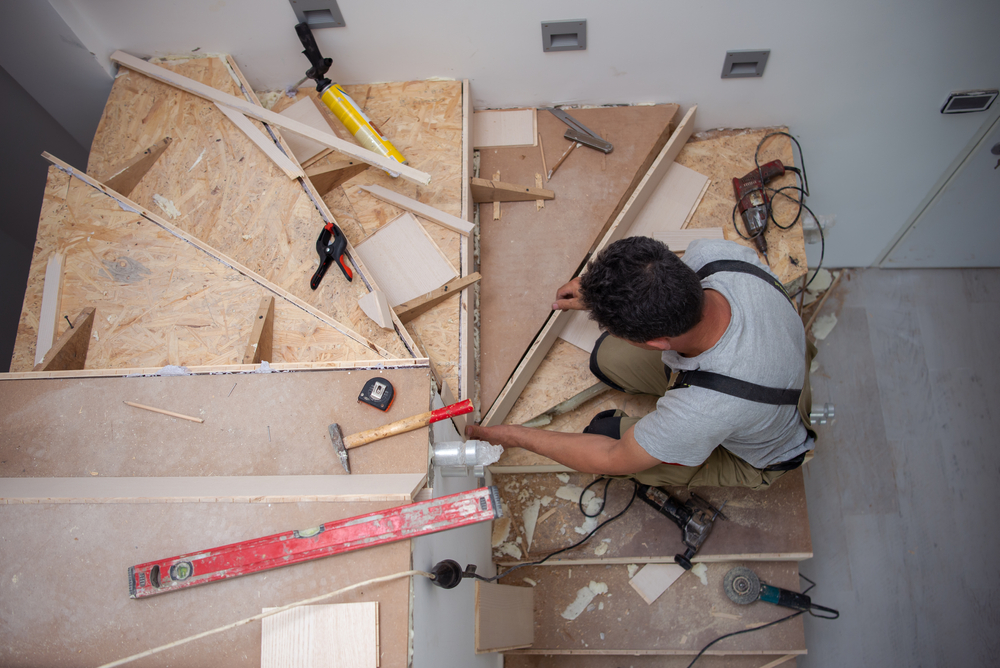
(520, 264)
(503, 617)
(255, 424)
(683, 620)
(159, 299)
(214, 183)
(423, 119)
(772, 524)
(91, 620)
(342, 635)
(404, 260)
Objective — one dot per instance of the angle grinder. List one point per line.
(743, 587)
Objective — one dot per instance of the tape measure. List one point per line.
(377, 392)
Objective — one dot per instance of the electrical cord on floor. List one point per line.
(635, 489)
(774, 623)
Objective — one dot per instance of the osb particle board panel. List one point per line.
(214, 183)
(563, 373)
(159, 299)
(529, 253)
(772, 524)
(255, 424)
(722, 155)
(88, 549)
(684, 619)
(423, 119)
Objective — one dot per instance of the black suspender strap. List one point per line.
(734, 387)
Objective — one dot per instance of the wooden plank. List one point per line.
(112, 537)
(70, 351)
(126, 179)
(266, 116)
(404, 260)
(343, 635)
(398, 487)
(424, 211)
(261, 344)
(505, 127)
(376, 306)
(682, 621)
(653, 579)
(468, 349)
(257, 424)
(306, 111)
(484, 190)
(679, 240)
(48, 317)
(411, 309)
(671, 203)
(266, 144)
(503, 617)
(556, 320)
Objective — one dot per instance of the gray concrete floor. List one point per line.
(903, 491)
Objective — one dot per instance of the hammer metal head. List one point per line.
(338, 445)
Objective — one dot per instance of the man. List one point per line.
(736, 425)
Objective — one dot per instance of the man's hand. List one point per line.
(568, 297)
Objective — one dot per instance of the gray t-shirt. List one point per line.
(764, 344)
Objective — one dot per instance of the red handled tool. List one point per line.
(755, 205)
(331, 246)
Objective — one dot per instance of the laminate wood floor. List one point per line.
(903, 491)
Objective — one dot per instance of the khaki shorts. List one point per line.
(637, 371)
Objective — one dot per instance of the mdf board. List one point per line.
(91, 620)
(684, 619)
(503, 617)
(343, 635)
(529, 253)
(216, 184)
(504, 127)
(160, 300)
(404, 260)
(772, 524)
(424, 120)
(260, 424)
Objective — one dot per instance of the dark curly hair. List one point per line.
(638, 290)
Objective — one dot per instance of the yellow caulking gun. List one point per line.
(341, 104)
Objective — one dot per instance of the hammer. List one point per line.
(342, 445)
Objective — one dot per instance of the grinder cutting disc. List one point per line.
(742, 585)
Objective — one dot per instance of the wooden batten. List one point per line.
(264, 143)
(423, 210)
(484, 190)
(128, 177)
(411, 309)
(329, 176)
(261, 344)
(70, 351)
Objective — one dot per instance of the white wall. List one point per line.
(859, 83)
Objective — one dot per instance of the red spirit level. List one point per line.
(292, 547)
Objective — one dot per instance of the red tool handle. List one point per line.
(460, 408)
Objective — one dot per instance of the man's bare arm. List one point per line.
(587, 453)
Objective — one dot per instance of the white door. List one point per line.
(961, 226)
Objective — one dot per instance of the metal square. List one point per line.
(564, 35)
(740, 64)
(318, 13)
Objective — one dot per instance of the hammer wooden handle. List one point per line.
(408, 424)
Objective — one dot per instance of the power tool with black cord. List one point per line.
(695, 517)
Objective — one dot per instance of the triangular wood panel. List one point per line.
(160, 299)
(529, 252)
(214, 183)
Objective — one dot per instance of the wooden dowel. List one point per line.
(160, 410)
(562, 159)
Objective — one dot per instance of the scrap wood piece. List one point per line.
(264, 143)
(504, 617)
(505, 127)
(557, 320)
(400, 487)
(163, 412)
(328, 176)
(672, 203)
(562, 159)
(496, 203)
(376, 306)
(411, 309)
(338, 635)
(266, 116)
(70, 351)
(443, 219)
(261, 345)
(404, 260)
(48, 318)
(127, 178)
(653, 580)
(484, 190)
(228, 262)
(307, 111)
(539, 203)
